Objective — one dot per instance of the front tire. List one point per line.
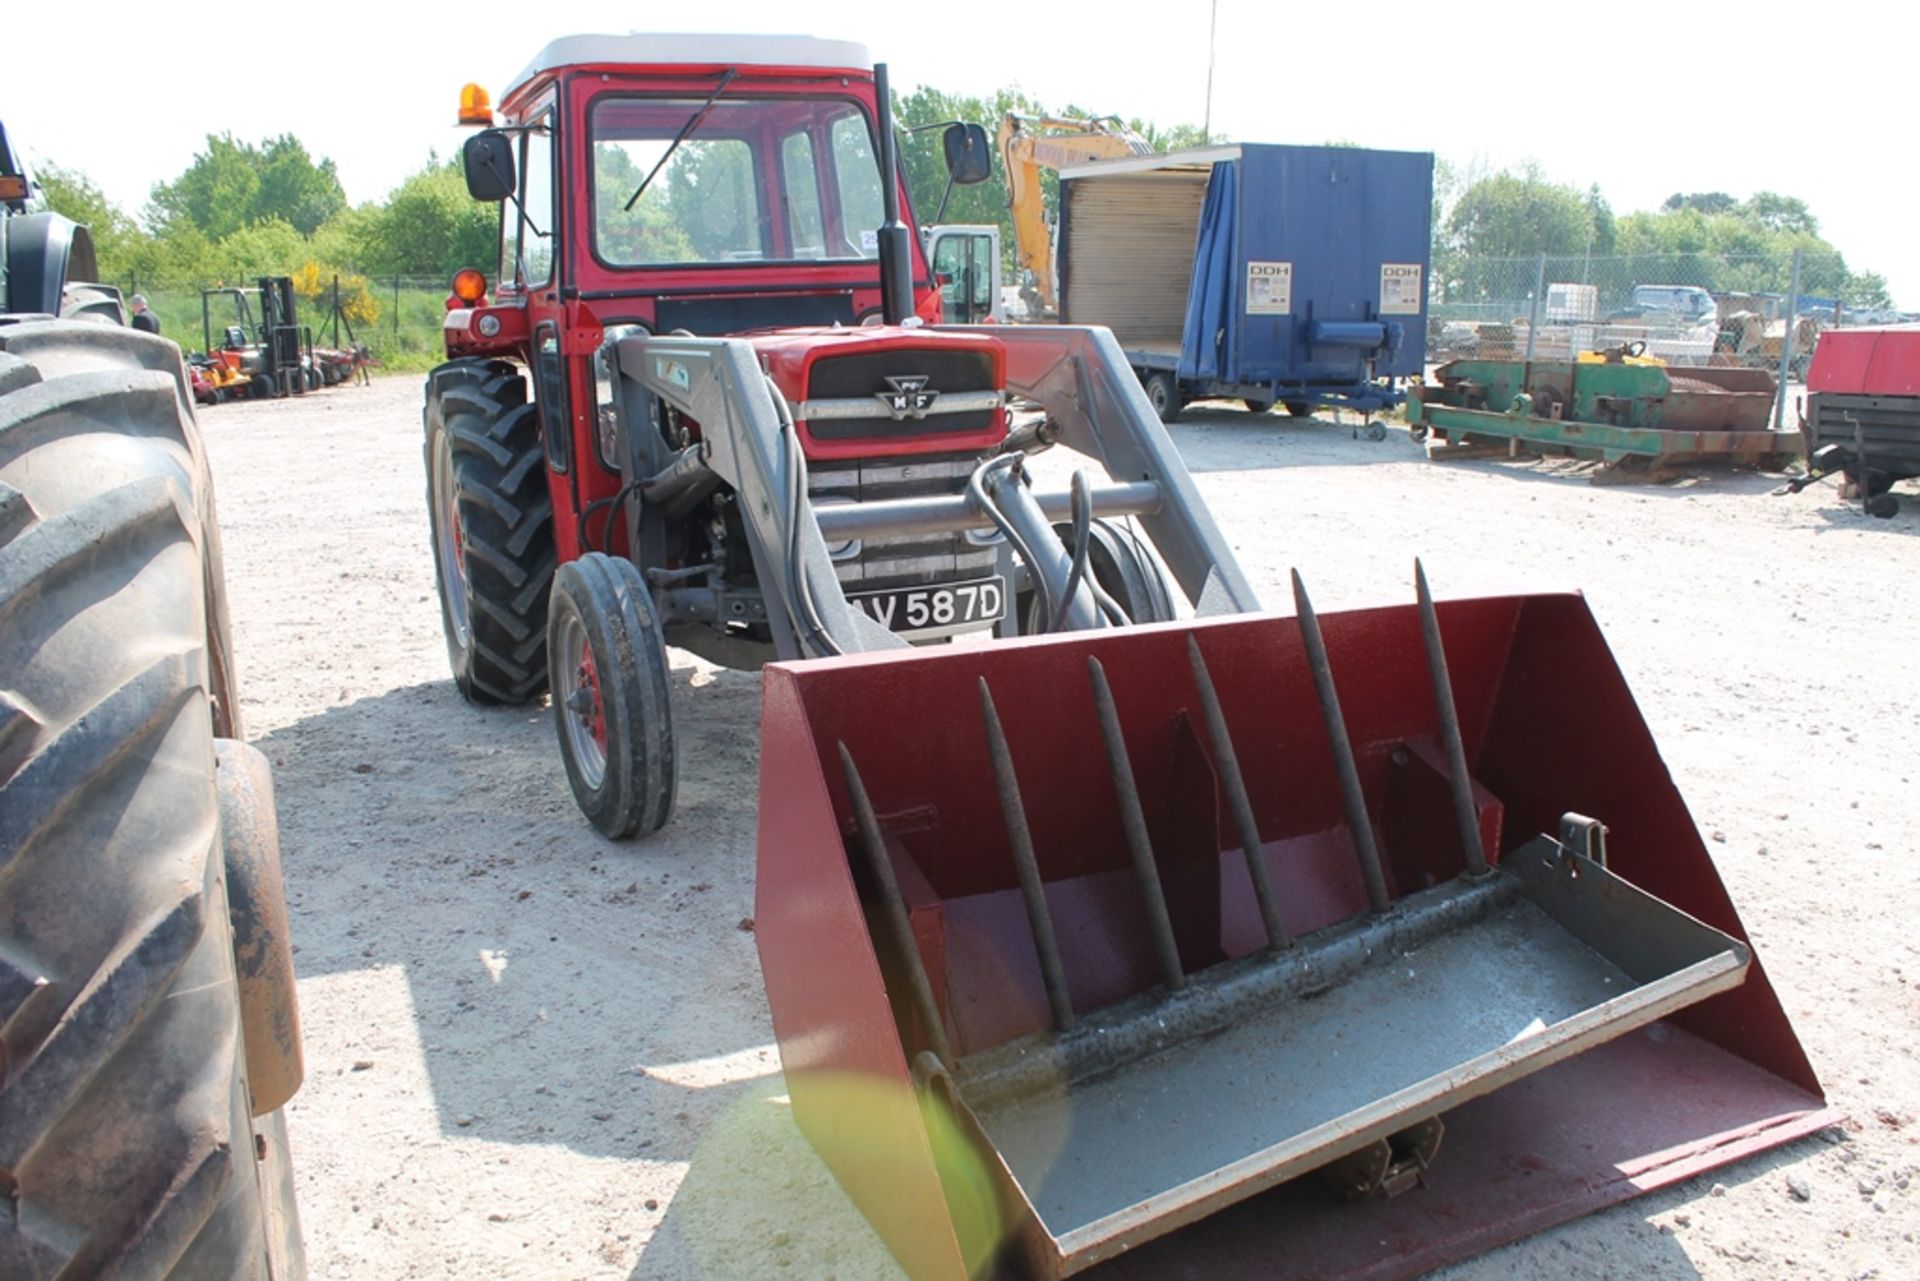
(491, 521)
(1128, 572)
(126, 1111)
(612, 696)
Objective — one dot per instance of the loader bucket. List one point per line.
(1038, 1008)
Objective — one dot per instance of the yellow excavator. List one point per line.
(1029, 143)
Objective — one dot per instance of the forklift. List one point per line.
(268, 356)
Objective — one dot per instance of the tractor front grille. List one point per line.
(864, 375)
(910, 560)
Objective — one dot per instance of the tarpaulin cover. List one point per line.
(1213, 322)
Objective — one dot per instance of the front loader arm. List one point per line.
(748, 443)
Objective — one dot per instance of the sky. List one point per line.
(1816, 101)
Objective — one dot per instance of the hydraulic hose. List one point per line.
(977, 490)
(1082, 499)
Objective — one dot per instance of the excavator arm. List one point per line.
(1029, 144)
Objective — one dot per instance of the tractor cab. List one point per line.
(712, 184)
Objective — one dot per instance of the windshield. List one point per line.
(760, 180)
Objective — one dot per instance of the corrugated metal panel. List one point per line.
(1888, 426)
(1132, 238)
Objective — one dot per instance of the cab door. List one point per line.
(966, 265)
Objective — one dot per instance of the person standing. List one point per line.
(143, 320)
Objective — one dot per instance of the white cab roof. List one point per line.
(645, 49)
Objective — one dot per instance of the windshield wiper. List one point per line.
(726, 79)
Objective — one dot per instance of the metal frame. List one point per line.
(1607, 442)
(1077, 376)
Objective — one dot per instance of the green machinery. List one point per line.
(1621, 410)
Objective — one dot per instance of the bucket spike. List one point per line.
(1450, 737)
(1237, 800)
(1352, 798)
(1020, 841)
(894, 909)
(1134, 821)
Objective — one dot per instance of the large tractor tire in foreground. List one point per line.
(492, 527)
(135, 1138)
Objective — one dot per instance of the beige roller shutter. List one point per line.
(1129, 253)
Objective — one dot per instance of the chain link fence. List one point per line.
(397, 318)
(1688, 309)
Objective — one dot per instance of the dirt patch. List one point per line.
(534, 1053)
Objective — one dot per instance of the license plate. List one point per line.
(939, 605)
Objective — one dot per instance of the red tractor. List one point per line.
(609, 469)
(1072, 945)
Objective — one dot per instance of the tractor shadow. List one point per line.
(564, 989)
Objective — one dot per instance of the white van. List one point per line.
(1688, 301)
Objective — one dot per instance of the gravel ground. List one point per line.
(531, 1053)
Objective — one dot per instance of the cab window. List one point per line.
(526, 228)
(963, 265)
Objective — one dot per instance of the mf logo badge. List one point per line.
(907, 397)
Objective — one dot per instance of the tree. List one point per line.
(232, 184)
(1869, 289)
(1707, 202)
(1786, 214)
(709, 195)
(1519, 215)
(116, 238)
(294, 188)
(270, 247)
(924, 158)
(430, 226)
(646, 233)
(1603, 233)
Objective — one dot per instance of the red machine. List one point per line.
(1863, 410)
(1106, 945)
(739, 433)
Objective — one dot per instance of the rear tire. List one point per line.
(492, 528)
(126, 1126)
(1299, 408)
(1256, 406)
(612, 696)
(97, 303)
(1163, 393)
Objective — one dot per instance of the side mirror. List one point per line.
(968, 159)
(489, 164)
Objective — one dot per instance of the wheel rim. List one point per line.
(453, 550)
(581, 708)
